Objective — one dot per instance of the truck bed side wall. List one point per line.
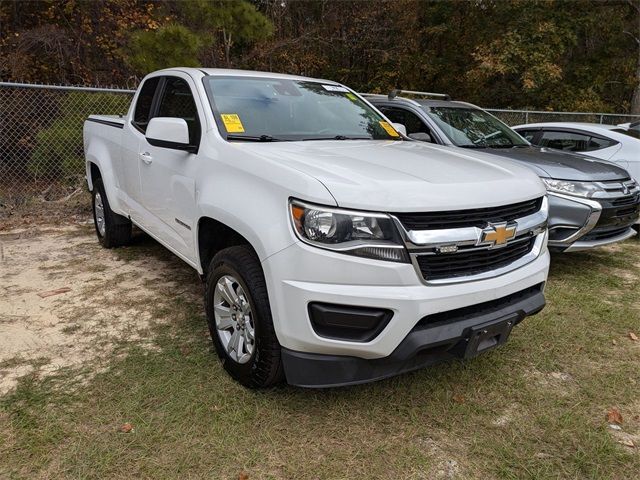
(102, 148)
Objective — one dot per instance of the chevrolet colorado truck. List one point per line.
(333, 250)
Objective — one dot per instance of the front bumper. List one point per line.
(301, 275)
(432, 340)
(577, 223)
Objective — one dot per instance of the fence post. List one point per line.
(601, 119)
(526, 116)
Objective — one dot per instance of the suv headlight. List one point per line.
(364, 234)
(578, 189)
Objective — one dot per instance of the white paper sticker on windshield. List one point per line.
(335, 88)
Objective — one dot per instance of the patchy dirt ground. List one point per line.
(111, 298)
(127, 344)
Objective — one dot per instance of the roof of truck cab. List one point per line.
(229, 72)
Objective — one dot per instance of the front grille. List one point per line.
(477, 217)
(474, 311)
(465, 263)
(625, 201)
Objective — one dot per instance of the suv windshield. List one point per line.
(268, 109)
(474, 128)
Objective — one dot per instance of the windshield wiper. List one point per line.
(472, 146)
(338, 137)
(250, 138)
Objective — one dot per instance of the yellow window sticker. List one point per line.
(389, 129)
(232, 122)
(351, 97)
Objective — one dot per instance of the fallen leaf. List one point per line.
(126, 428)
(614, 416)
(458, 398)
(633, 336)
(613, 426)
(614, 342)
(51, 293)
(627, 442)
(243, 476)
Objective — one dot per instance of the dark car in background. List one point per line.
(592, 202)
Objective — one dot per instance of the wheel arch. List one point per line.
(213, 236)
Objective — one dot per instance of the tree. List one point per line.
(168, 46)
(236, 22)
(635, 36)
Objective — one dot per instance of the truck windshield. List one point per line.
(474, 128)
(267, 109)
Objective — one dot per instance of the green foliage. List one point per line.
(239, 19)
(542, 54)
(227, 23)
(58, 148)
(169, 46)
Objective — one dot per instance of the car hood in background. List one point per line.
(403, 176)
(562, 165)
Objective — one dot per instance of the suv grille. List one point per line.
(624, 201)
(465, 263)
(477, 217)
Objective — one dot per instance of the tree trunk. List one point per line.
(635, 100)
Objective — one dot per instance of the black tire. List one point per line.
(264, 367)
(117, 229)
(636, 227)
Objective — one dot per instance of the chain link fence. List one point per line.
(41, 131)
(41, 134)
(519, 117)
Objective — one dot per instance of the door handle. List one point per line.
(146, 158)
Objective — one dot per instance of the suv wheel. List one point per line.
(239, 318)
(113, 230)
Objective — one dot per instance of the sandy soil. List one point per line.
(112, 299)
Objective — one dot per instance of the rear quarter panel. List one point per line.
(102, 147)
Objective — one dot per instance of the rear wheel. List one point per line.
(239, 318)
(113, 230)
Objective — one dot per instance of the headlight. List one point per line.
(364, 234)
(578, 189)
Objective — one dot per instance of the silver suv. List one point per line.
(592, 202)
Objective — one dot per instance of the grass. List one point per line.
(533, 409)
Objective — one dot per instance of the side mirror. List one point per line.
(400, 127)
(421, 136)
(169, 132)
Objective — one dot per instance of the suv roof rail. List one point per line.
(394, 93)
(379, 95)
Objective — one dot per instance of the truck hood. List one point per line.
(562, 165)
(403, 176)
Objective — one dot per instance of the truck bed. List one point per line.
(111, 120)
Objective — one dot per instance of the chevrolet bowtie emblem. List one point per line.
(498, 233)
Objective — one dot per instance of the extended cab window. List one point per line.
(177, 101)
(143, 106)
(274, 109)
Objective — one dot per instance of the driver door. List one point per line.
(167, 175)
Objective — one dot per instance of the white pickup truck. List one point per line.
(335, 251)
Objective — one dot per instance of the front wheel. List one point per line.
(239, 318)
